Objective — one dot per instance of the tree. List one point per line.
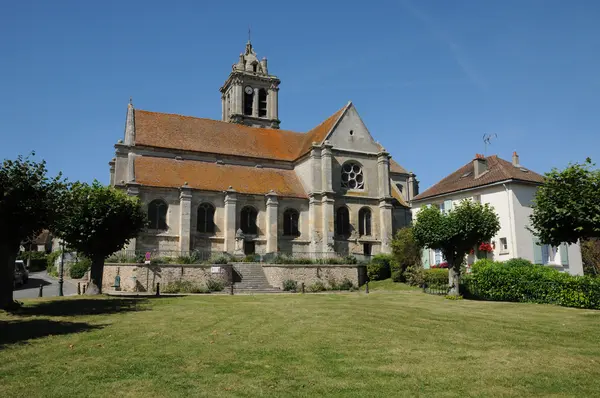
(97, 222)
(29, 202)
(406, 253)
(590, 254)
(455, 233)
(567, 205)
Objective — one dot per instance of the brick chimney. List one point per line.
(480, 165)
(515, 159)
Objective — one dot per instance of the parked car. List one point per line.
(21, 273)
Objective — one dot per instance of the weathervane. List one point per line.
(487, 140)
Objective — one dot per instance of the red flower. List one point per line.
(486, 247)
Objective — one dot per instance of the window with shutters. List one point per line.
(290, 222)
(157, 215)
(205, 218)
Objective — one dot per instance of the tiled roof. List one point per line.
(212, 136)
(464, 178)
(43, 238)
(397, 195)
(396, 168)
(170, 173)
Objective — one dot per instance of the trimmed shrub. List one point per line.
(345, 285)
(518, 262)
(183, 287)
(317, 287)
(215, 285)
(415, 276)
(78, 269)
(222, 259)
(398, 275)
(436, 277)
(379, 267)
(530, 283)
(290, 285)
(406, 253)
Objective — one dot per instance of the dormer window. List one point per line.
(352, 176)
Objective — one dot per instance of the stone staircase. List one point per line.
(250, 278)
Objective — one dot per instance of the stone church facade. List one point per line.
(244, 184)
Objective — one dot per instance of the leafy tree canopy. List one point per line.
(456, 232)
(567, 205)
(97, 222)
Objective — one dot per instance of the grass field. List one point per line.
(385, 344)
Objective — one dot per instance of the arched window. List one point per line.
(290, 222)
(262, 102)
(206, 218)
(364, 222)
(342, 221)
(248, 220)
(248, 98)
(157, 214)
(352, 176)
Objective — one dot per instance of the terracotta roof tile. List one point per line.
(396, 168)
(463, 178)
(170, 173)
(212, 136)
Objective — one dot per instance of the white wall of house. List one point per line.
(512, 202)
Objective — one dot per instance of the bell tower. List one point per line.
(249, 95)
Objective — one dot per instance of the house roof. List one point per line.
(396, 168)
(171, 173)
(212, 136)
(464, 178)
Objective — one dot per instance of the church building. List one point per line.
(243, 184)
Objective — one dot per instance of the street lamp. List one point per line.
(61, 268)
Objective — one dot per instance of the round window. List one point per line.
(352, 176)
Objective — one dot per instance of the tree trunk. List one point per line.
(95, 283)
(453, 280)
(7, 275)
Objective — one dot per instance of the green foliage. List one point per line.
(456, 232)
(406, 253)
(288, 259)
(590, 254)
(567, 205)
(379, 267)
(454, 297)
(532, 283)
(517, 262)
(193, 257)
(415, 276)
(184, 287)
(51, 258)
(161, 260)
(436, 277)
(221, 259)
(78, 269)
(318, 286)
(98, 221)
(290, 285)
(346, 284)
(37, 260)
(215, 285)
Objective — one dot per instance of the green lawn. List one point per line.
(385, 344)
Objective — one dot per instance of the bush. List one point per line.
(518, 262)
(184, 287)
(532, 283)
(345, 285)
(215, 285)
(406, 253)
(78, 269)
(37, 260)
(222, 259)
(415, 276)
(290, 285)
(51, 259)
(379, 267)
(317, 287)
(398, 276)
(436, 277)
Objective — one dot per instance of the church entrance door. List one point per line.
(249, 247)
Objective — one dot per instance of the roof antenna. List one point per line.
(487, 140)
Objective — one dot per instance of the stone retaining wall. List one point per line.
(311, 273)
(144, 277)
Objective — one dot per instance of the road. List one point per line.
(32, 287)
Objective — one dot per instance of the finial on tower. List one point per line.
(130, 100)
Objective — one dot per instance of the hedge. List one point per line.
(380, 267)
(521, 281)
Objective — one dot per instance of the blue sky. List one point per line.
(429, 78)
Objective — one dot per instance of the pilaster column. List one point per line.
(229, 220)
(111, 164)
(385, 225)
(273, 106)
(272, 223)
(326, 167)
(185, 217)
(238, 97)
(383, 171)
(328, 223)
(255, 103)
(223, 109)
(313, 222)
(315, 168)
(130, 167)
(133, 189)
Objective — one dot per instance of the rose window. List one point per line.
(352, 176)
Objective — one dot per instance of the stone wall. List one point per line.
(311, 273)
(143, 278)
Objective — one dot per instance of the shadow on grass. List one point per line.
(12, 332)
(83, 306)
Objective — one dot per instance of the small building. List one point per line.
(331, 189)
(510, 188)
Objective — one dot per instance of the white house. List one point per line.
(509, 188)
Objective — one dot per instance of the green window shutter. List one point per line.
(564, 254)
(537, 251)
(425, 258)
(447, 206)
